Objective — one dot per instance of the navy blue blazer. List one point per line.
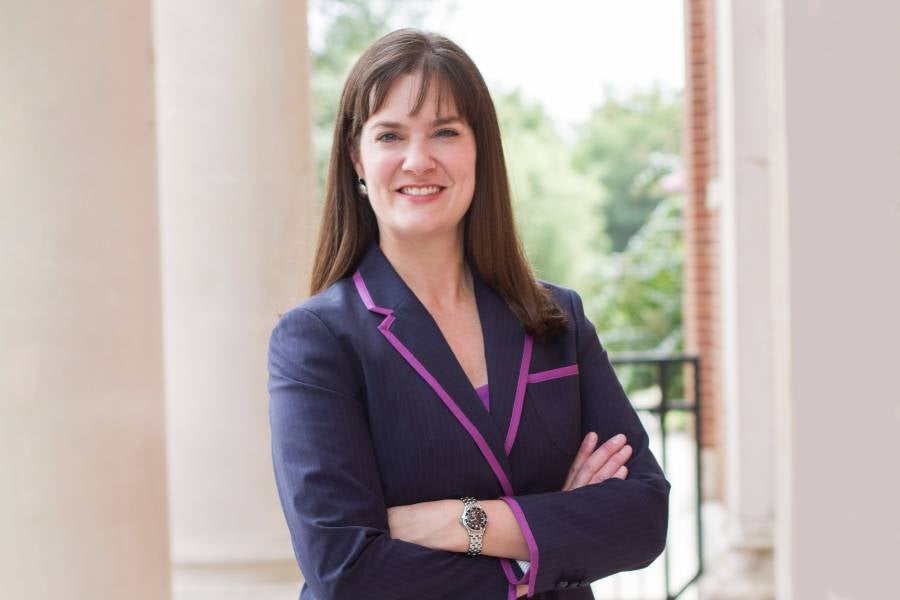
(369, 408)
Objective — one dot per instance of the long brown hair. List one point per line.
(491, 243)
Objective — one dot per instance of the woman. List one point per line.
(428, 401)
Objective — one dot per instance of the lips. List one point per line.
(420, 190)
(420, 194)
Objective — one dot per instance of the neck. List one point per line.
(434, 269)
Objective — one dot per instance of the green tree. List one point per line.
(593, 215)
(350, 26)
(630, 145)
(559, 211)
(634, 299)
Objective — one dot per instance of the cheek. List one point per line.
(465, 169)
(377, 170)
(378, 165)
(460, 163)
(469, 162)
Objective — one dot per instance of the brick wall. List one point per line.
(701, 223)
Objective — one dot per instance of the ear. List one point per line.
(357, 164)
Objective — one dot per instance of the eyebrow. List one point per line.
(435, 123)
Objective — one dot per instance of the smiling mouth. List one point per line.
(420, 190)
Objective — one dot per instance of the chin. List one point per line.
(422, 229)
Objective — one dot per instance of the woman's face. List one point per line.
(419, 169)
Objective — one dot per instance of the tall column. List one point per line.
(82, 445)
(835, 251)
(237, 201)
(744, 571)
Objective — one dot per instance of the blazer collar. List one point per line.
(506, 346)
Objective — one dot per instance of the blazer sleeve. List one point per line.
(599, 529)
(329, 486)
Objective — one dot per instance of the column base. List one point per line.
(222, 581)
(743, 572)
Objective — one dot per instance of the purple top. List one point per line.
(485, 398)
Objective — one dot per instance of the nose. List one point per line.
(418, 159)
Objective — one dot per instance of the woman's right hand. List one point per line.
(594, 466)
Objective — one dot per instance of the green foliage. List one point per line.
(593, 216)
(558, 210)
(629, 145)
(634, 299)
(352, 25)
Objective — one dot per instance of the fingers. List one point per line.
(613, 449)
(612, 466)
(587, 446)
(622, 473)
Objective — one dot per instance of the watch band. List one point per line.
(474, 520)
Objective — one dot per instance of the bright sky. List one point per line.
(563, 53)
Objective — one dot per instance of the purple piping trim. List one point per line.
(520, 395)
(485, 396)
(510, 576)
(366, 297)
(553, 373)
(384, 328)
(529, 539)
(473, 432)
(511, 595)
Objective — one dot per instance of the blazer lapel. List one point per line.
(410, 329)
(508, 352)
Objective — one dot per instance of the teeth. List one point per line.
(420, 191)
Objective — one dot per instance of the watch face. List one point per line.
(476, 518)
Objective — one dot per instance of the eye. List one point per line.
(388, 136)
(447, 133)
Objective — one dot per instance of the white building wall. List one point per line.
(237, 199)
(837, 216)
(746, 288)
(811, 254)
(82, 446)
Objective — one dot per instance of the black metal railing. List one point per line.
(668, 372)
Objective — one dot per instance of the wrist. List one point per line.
(457, 536)
(474, 521)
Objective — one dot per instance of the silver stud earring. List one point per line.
(361, 186)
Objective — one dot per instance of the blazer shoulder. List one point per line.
(568, 298)
(310, 341)
(332, 306)
(330, 317)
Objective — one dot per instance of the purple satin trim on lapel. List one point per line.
(520, 395)
(553, 373)
(384, 328)
(485, 396)
(366, 297)
(529, 539)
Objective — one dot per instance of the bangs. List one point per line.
(433, 74)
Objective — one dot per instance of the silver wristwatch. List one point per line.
(474, 519)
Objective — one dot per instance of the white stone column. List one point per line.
(835, 254)
(744, 570)
(237, 201)
(82, 445)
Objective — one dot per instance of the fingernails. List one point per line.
(619, 438)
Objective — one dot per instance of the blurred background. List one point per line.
(715, 177)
